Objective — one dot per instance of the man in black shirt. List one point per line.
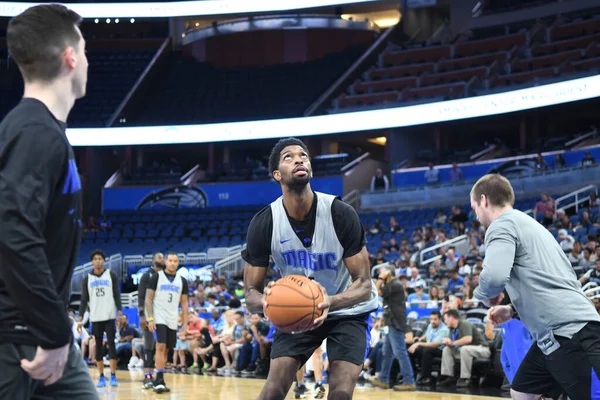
(158, 264)
(394, 305)
(40, 210)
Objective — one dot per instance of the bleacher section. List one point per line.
(193, 92)
(112, 73)
(473, 67)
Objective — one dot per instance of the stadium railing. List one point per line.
(426, 257)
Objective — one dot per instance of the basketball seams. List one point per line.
(294, 289)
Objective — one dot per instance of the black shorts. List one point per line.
(348, 339)
(572, 368)
(166, 335)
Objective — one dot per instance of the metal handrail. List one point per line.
(437, 246)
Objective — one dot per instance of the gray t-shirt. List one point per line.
(524, 257)
(465, 328)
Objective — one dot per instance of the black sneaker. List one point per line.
(148, 383)
(319, 391)
(160, 387)
(300, 391)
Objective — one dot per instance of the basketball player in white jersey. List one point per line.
(158, 264)
(319, 236)
(100, 290)
(166, 291)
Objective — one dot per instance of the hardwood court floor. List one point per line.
(188, 387)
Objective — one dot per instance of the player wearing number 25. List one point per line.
(319, 236)
(100, 289)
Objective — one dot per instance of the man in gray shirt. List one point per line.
(525, 259)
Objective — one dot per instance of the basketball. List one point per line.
(292, 304)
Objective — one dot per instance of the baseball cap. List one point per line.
(562, 232)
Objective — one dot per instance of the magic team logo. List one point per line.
(310, 261)
(175, 197)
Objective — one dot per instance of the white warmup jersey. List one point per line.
(167, 299)
(102, 303)
(323, 260)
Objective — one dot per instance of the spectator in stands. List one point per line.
(432, 175)
(458, 215)
(544, 205)
(394, 225)
(434, 293)
(429, 346)
(566, 240)
(592, 245)
(375, 357)
(440, 218)
(419, 298)
(593, 201)
(588, 160)
(563, 220)
(395, 318)
(393, 246)
(231, 345)
(415, 279)
(468, 301)
(576, 254)
(450, 260)
(540, 163)
(379, 182)
(465, 342)
(463, 268)
(193, 337)
(126, 335)
(454, 280)
(217, 322)
(559, 162)
(456, 174)
(92, 225)
(584, 221)
(592, 275)
(205, 344)
(587, 261)
(105, 224)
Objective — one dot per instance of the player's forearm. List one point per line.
(149, 304)
(359, 291)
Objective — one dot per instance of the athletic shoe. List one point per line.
(161, 387)
(101, 381)
(148, 384)
(319, 391)
(113, 381)
(300, 391)
(139, 364)
(133, 362)
(224, 371)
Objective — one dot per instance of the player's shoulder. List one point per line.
(263, 218)
(342, 210)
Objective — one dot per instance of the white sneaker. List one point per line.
(139, 364)
(133, 362)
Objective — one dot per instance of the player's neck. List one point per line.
(298, 205)
(498, 211)
(54, 95)
(98, 271)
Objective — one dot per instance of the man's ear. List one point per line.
(277, 175)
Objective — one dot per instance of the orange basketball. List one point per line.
(292, 304)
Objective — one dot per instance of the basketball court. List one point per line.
(188, 387)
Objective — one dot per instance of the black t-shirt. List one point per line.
(206, 339)
(153, 283)
(348, 228)
(148, 275)
(40, 214)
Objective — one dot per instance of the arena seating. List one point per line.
(472, 67)
(112, 73)
(193, 92)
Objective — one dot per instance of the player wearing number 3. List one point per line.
(100, 289)
(166, 290)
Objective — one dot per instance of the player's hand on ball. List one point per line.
(152, 326)
(266, 292)
(322, 306)
(47, 365)
(499, 314)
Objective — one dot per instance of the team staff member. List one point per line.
(40, 210)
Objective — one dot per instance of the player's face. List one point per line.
(98, 261)
(172, 264)
(295, 169)
(159, 260)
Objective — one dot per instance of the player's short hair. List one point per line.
(38, 36)
(496, 188)
(278, 148)
(437, 313)
(97, 253)
(172, 254)
(453, 313)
